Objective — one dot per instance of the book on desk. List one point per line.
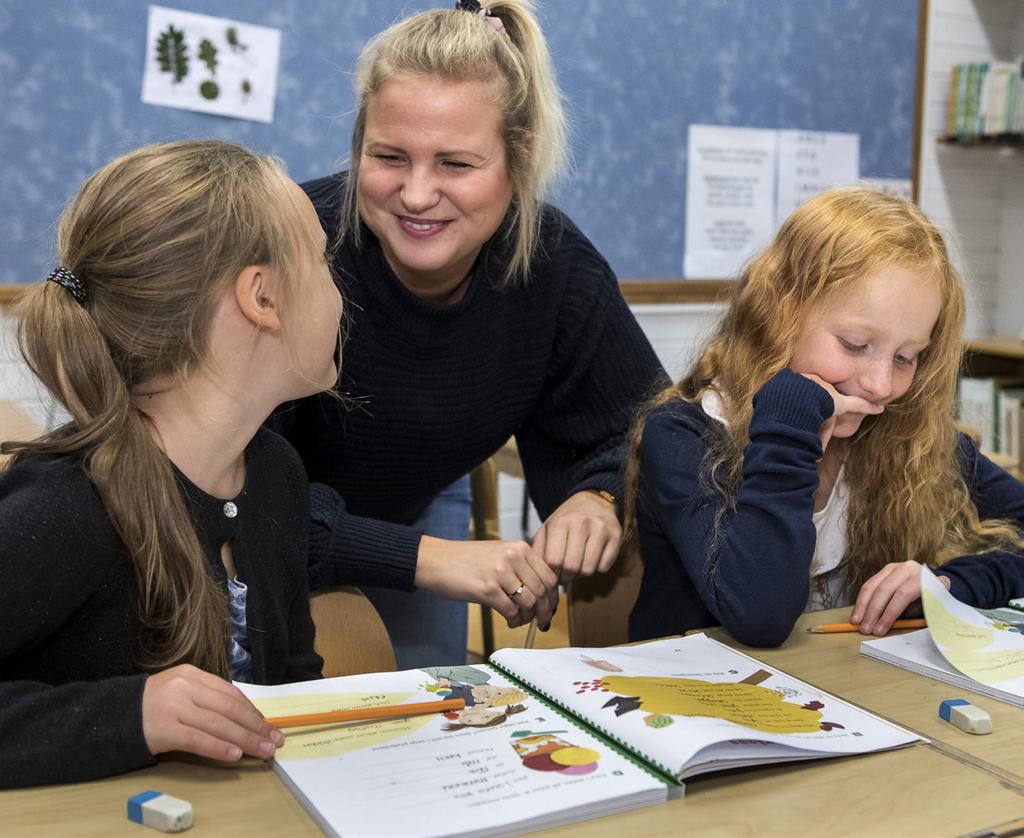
(917, 652)
(553, 736)
(969, 649)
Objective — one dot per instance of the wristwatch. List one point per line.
(606, 495)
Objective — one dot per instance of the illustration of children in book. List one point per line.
(481, 715)
(547, 751)
(486, 704)
(999, 625)
(455, 681)
(745, 703)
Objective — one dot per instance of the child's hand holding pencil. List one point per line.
(835, 628)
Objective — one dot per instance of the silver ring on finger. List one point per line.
(518, 591)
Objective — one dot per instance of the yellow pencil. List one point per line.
(387, 711)
(832, 628)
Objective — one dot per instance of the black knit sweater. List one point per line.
(433, 390)
(70, 678)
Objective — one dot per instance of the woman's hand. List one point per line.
(491, 573)
(892, 592)
(842, 405)
(187, 709)
(582, 537)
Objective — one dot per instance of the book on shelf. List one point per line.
(984, 100)
(1010, 401)
(951, 101)
(977, 410)
(971, 650)
(990, 407)
(552, 736)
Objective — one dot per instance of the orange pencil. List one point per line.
(387, 711)
(831, 628)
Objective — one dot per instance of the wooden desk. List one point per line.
(909, 792)
(956, 785)
(833, 662)
(244, 800)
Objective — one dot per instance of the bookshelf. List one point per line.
(986, 140)
(973, 186)
(994, 356)
(985, 102)
(1001, 357)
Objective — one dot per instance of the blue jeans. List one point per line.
(427, 629)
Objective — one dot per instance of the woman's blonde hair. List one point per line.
(156, 237)
(460, 46)
(902, 470)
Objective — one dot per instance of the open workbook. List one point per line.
(970, 649)
(552, 736)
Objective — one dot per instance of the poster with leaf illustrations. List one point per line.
(210, 64)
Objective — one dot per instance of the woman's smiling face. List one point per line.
(433, 177)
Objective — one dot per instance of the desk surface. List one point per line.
(833, 663)
(955, 785)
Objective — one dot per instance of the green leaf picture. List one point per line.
(172, 53)
(208, 54)
(210, 64)
(233, 42)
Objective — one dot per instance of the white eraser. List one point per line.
(966, 716)
(971, 718)
(160, 811)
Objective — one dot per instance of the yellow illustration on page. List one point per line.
(339, 739)
(961, 643)
(745, 704)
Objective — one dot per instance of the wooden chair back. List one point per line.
(350, 635)
(483, 482)
(599, 605)
(15, 424)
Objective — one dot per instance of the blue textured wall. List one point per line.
(636, 73)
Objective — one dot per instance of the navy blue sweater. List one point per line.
(755, 580)
(433, 390)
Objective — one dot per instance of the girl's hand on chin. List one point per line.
(841, 404)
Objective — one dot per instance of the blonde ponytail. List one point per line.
(155, 237)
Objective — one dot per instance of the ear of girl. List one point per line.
(256, 300)
(809, 459)
(149, 545)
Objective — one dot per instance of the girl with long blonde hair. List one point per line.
(154, 545)
(809, 458)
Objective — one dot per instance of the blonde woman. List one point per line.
(478, 312)
(809, 458)
(154, 547)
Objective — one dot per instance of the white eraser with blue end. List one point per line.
(160, 811)
(965, 716)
